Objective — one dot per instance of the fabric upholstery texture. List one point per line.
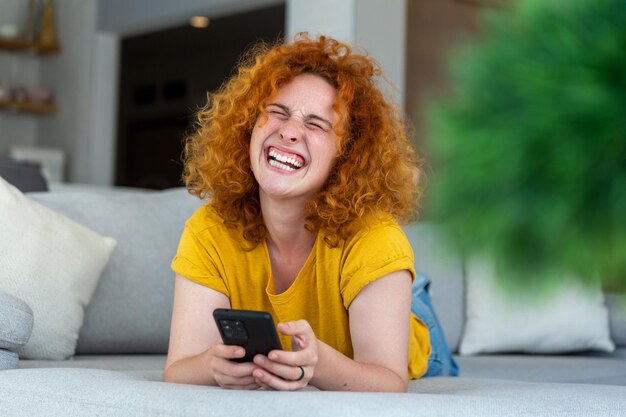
(131, 310)
(572, 319)
(8, 360)
(581, 368)
(53, 264)
(79, 392)
(132, 362)
(16, 321)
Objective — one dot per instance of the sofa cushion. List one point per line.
(81, 392)
(572, 318)
(445, 269)
(53, 264)
(581, 368)
(22, 175)
(130, 311)
(16, 321)
(616, 304)
(119, 362)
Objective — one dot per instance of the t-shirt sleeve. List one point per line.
(197, 258)
(377, 252)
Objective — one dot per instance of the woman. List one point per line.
(307, 169)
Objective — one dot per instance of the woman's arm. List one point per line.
(196, 354)
(379, 327)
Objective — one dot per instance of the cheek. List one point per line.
(261, 130)
(327, 156)
(331, 150)
(255, 151)
(256, 138)
(262, 123)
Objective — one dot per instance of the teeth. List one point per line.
(284, 159)
(277, 164)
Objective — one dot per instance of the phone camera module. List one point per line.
(234, 329)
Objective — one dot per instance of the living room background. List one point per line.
(410, 39)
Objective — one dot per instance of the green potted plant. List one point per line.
(529, 148)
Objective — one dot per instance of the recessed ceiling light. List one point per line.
(200, 22)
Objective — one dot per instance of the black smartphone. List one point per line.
(252, 330)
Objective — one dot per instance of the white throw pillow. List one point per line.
(53, 264)
(574, 318)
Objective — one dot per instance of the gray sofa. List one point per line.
(117, 368)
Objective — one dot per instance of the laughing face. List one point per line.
(294, 146)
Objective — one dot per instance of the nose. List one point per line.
(290, 131)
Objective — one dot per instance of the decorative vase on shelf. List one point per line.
(28, 32)
(47, 32)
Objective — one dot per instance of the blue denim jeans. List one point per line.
(441, 362)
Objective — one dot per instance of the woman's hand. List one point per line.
(227, 373)
(196, 353)
(288, 371)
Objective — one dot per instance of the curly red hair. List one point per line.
(377, 170)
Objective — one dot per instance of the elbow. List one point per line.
(401, 385)
(167, 375)
(395, 383)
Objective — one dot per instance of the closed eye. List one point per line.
(317, 122)
(312, 121)
(277, 111)
(315, 126)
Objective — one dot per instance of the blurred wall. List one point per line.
(377, 26)
(434, 29)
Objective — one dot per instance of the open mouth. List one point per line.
(285, 161)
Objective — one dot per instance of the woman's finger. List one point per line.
(223, 351)
(230, 374)
(277, 383)
(289, 372)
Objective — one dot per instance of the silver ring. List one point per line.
(301, 375)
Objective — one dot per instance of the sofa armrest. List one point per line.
(26, 177)
(16, 325)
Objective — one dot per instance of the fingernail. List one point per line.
(273, 356)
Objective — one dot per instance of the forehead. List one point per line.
(307, 92)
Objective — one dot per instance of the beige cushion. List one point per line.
(571, 319)
(53, 264)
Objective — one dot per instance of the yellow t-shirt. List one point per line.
(218, 257)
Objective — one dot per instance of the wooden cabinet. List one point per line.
(21, 46)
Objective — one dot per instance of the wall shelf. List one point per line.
(20, 45)
(28, 107)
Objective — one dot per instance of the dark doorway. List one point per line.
(164, 79)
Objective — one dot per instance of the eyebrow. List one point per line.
(307, 117)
